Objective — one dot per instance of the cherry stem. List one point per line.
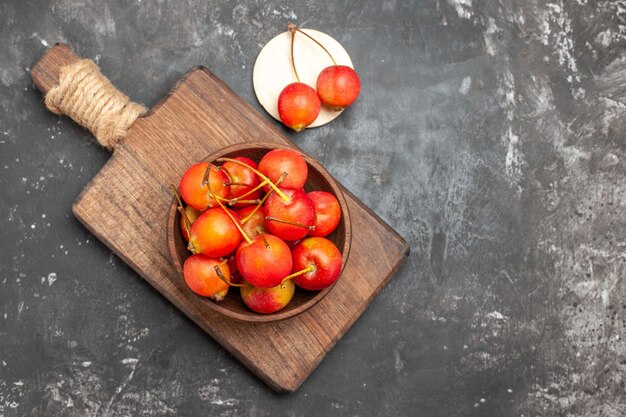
(245, 219)
(232, 203)
(267, 244)
(258, 206)
(205, 177)
(295, 274)
(245, 236)
(181, 210)
(295, 28)
(274, 219)
(257, 201)
(241, 184)
(256, 171)
(221, 276)
(207, 174)
(228, 174)
(236, 199)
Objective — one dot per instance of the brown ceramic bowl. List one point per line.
(232, 305)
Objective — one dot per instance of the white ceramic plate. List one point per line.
(273, 71)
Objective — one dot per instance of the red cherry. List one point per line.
(323, 260)
(298, 106)
(338, 86)
(242, 179)
(267, 300)
(278, 161)
(327, 213)
(255, 224)
(265, 261)
(214, 233)
(199, 274)
(197, 195)
(291, 220)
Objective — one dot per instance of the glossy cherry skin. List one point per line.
(299, 209)
(264, 266)
(278, 161)
(197, 195)
(327, 213)
(255, 224)
(241, 174)
(298, 106)
(214, 233)
(199, 274)
(323, 256)
(338, 86)
(267, 300)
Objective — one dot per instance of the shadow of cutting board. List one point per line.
(128, 200)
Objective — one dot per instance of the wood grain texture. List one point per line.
(127, 203)
(47, 71)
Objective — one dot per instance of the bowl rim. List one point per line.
(251, 316)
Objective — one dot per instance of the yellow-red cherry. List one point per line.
(200, 275)
(290, 220)
(327, 213)
(323, 260)
(242, 180)
(298, 106)
(338, 86)
(214, 233)
(196, 193)
(265, 261)
(277, 162)
(267, 300)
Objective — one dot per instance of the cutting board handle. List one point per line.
(75, 87)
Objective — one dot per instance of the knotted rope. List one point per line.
(88, 97)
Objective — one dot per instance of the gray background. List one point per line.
(489, 134)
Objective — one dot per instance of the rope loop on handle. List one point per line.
(89, 98)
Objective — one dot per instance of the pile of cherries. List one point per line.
(254, 227)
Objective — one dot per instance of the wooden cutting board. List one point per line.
(127, 202)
